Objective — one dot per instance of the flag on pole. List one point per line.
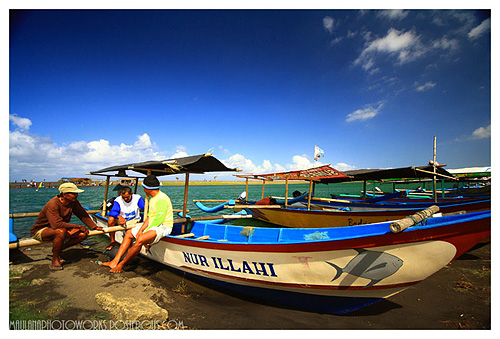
(318, 153)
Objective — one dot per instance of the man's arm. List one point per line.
(115, 210)
(81, 213)
(141, 203)
(161, 212)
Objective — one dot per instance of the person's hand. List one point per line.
(121, 220)
(84, 230)
(98, 228)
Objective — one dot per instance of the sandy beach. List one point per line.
(456, 297)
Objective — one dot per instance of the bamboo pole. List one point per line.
(35, 214)
(105, 196)
(434, 170)
(212, 217)
(253, 206)
(437, 174)
(286, 193)
(402, 224)
(332, 200)
(364, 191)
(263, 188)
(184, 206)
(146, 202)
(33, 242)
(246, 190)
(210, 200)
(310, 194)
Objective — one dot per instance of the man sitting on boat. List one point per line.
(158, 223)
(53, 222)
(126, 207)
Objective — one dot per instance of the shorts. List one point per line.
(38, 235)
(161, 231)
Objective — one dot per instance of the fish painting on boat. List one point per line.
(372, 265)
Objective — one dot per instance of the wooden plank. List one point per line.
(254, 206)
(210, 200)
(187, 235)
(33, 242)
(332, 200)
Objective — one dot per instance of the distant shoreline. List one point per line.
(174, 183)
(228, 183)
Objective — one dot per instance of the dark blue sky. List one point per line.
(260, 87)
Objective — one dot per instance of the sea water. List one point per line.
(26, 200)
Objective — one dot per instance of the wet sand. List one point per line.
(456, 297)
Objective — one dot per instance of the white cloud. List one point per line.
(405, 46)
(247, 166)
(35, 157)
(179, 154)
(393, 14)
(342, 167)
(446, 44)
(477, 134)
(21, 123)
(426, 86)
(369, 112)
(477, 31)
(328, 23)
(299, 162)
(482, 133)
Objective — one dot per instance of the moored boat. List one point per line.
(301, 217)
(306, 211)
(327, 270)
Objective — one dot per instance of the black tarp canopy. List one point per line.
(192, 164)
(414, 172)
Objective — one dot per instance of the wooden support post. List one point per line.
(286, 193)
(184, 206)
(310, 195)
(136, 185)
(146, 202)
(105, 196)
(364, 191)
(434, 170)
(246, 190)
(263, 187)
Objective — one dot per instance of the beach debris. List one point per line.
(37, 282)
(131, 308)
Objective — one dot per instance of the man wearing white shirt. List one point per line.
(125, 207)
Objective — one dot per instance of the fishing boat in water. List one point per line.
(307, 211)
(326, 270)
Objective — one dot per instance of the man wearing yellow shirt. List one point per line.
(158, 223)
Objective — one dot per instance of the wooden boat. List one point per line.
(327, 270)
(313, 212)
(313, 218)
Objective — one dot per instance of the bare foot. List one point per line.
(108, 264)
(117, 269)
(111, 245)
